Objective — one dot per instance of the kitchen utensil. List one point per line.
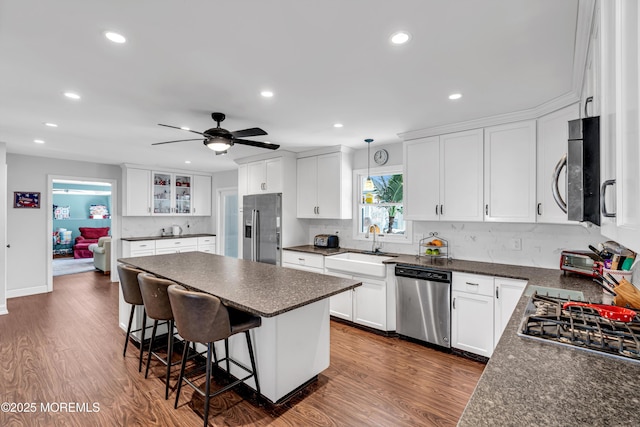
(610, 277)
(176, 230)
(605, 287)
(611, 312)
(629, 293)
(596, 251)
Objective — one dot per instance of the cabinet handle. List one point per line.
(454, 303)
(149, 209)
(472, 284)
(436, 209)
(486, 209)
(603, 202)
(441, 209)
(318, 207)
(586, 102)
(539, 208)
(497, 295)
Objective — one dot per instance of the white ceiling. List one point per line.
(327, 61)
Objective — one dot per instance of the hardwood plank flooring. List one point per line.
(65, 347)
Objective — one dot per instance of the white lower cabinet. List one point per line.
(207, 244)
(138, 248)
(370, 303)
(313, 263)
(481, 306)
(341, 305)
(174, 246)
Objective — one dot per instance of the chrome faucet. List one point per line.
(374, 248)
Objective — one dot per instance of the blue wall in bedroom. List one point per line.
(79, 208)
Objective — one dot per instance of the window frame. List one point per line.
(358, 174)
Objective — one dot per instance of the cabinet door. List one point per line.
(256, 178)
(510, 172)
(422, 179)
(273, 176)
(553, 136)
(201, 195)
(628, 124)
(461, 185)
(341, 305)
(138, 191)
(307, 187)
(472, 323)
(508, 293)
(183, 193)
(370, 303)
(328, 186)
(162, 195)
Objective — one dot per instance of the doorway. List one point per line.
(228, 222)
(79, 207)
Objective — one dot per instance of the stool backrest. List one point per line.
(155, 297)
(199, 317)
(129, 284)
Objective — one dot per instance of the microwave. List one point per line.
(579, 262)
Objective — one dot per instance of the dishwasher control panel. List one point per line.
(422, 273)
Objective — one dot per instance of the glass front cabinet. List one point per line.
(171, 194)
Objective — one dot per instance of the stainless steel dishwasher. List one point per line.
(424, 304)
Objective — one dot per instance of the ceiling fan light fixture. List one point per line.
(368, 184)
(115, 37)
(218, 144)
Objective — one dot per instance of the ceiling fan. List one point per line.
(220, 140)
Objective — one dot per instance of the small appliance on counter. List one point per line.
(579, 262)
(326, 241)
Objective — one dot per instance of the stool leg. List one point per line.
(253, 362)
(207, 386)
(185, 353)
(126, 340)
(226, 353)
(144, 328)
(169, 357)
(153, 337)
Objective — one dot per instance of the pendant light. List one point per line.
(368, 184)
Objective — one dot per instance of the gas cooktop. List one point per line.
(581, 327)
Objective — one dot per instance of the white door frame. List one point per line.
(114, 220)
(220, 220)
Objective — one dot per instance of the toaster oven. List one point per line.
(579, 262)
(325, 241)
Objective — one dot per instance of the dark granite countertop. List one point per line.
(182, 236)
(533, 383)
(262, 289)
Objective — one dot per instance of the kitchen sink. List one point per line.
(358, 263)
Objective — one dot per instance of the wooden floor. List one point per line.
(66, 347)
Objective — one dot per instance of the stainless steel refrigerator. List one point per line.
(261, 219)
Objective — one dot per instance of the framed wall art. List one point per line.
(26, 199)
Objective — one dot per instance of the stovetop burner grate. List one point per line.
(580, 327)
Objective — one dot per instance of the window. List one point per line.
(381, 209)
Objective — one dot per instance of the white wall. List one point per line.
(3, 228)
(27, 258)
(226, 179)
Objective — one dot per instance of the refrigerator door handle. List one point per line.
(256, 235)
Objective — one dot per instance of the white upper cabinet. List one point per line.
(461, 176)
(510, 172)
(324, 186)
(202, 195)
(264, 176)
(444, 177)
(620, 108)
(422, 179)
(137, 192)
(553, 136)
(171, 193)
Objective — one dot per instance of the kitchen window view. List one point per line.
(380, 206)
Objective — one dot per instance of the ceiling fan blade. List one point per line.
(256, 144)
(248, 132)
(179, 140)
(179, 128)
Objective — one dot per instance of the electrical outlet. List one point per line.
(515, 244)
(417, 237)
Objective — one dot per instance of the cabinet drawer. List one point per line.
(143, 245)
(472, 283)
(176, 243)
(303, 258)
(208, 240)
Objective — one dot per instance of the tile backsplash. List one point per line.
(540, 244)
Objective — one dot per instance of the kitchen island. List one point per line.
(292, 345)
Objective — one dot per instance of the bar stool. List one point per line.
(204, 319)
(158, 307)
(131, 293)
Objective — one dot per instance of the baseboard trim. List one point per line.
(3, 309)
(15, 293)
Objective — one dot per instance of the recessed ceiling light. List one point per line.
(184, 128)
(51, 125)
(115, 37)
(338, 125)
(187, 161)
(266, 93)
(455, 96)
(401, 37)
(38, 141)
(72, 95)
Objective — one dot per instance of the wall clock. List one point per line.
(381, 157)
